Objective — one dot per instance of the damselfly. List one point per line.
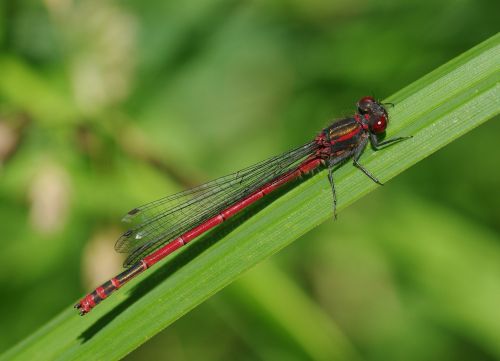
(163, 226)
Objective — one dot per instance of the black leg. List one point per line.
(332, 184)
(378, 145)
(331, 163)
(357, 153)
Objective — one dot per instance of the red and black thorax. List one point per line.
(342, 137)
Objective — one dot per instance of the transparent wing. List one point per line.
(155, 224)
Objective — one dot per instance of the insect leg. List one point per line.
(331, 164)
(357, 153)
(378, 145)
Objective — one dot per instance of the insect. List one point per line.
(163, 226)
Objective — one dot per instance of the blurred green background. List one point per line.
(105, 105)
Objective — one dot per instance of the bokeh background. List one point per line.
(105, 105)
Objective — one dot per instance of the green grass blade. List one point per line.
(436, 109)
(310, 332)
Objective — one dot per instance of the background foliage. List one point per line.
(105, 105)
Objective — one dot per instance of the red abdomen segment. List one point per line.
(100, 293)
(87, 303)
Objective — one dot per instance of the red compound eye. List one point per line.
(379, 125)
(365, 104)
(367, 99)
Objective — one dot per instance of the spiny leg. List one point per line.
(331, 163)
(332, 184)
(378, 145)
(357, 153)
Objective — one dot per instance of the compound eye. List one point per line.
(365, 103)
(367, 99)
(379, 125)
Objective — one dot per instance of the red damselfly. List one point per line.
(163, 226)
